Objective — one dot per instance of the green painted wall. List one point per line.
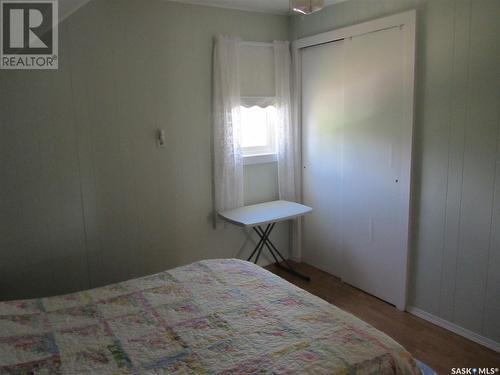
(455, 260)
(86, 197)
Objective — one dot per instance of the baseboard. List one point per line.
(489, 343)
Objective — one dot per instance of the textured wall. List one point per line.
(455, 261)
(86, 197)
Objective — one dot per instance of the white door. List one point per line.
(322, 109)
(356, 111)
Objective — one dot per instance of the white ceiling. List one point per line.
(68, 7)
(267, 6)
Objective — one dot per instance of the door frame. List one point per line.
(406, 20)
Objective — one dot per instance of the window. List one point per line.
(258, 133)
(258, 108)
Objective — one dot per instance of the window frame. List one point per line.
(260, 159)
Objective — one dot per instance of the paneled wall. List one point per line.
(455, 262)
(86, 197)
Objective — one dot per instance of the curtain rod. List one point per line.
(256, 44)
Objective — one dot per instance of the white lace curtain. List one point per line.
(285, 128)
(228, 163)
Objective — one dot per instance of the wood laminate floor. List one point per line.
(440, 349)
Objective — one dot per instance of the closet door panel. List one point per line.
(322, 109)
(373, 181)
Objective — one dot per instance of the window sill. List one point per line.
(260, 159)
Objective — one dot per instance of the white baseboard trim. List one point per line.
(489, 343)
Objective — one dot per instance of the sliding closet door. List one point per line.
(357, 130)
(376, 133)
(322, 121)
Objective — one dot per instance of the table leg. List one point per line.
(265, 241)
(265, 237)
(259, 245)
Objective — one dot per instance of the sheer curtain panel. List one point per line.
(285, 127)
(228, 162)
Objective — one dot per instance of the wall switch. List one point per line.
(161, 141)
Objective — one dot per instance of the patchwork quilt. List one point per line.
(210, 317)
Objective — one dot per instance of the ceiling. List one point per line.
(67, 7)
(267, 6)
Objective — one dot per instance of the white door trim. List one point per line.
(408, 21)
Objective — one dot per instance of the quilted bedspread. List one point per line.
(210, 317)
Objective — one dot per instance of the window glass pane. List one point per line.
(254, 127)
(258, 130)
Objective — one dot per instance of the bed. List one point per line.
(210, 317)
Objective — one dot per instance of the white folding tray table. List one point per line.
(262, 218)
